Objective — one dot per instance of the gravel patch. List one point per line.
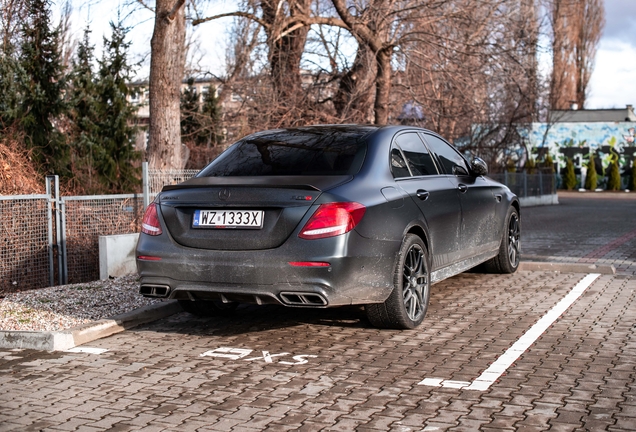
(63, 307)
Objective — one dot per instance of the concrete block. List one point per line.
(540, 200)
(67, 339)
(117, 255)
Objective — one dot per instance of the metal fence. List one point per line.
(528, 185)
(48, 239)
(88, 217)
(25, 229)
(153, 180)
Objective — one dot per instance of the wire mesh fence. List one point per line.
(157, 179)
(528, 185)
(24, 244)
(38, 231)
(87, 218)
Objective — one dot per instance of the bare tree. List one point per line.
(167, 64)
(591, 16)
(12, 15)
(576, 30)
(66, 40)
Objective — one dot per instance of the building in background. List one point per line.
(574, 133)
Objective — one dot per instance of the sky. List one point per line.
(613, 82)
(612, 85)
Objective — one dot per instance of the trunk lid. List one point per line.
(283, 200)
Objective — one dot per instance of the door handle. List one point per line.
(462, 188)
(422, 194)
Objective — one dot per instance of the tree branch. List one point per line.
(235, 14)
(142, 3)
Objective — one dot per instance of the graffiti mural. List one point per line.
(606, 138)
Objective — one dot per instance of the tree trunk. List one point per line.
(352, 101)
(167, 63)
(383, 85)
(285, 48)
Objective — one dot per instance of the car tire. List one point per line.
(507, 260)
(407, 305)
(207, 307)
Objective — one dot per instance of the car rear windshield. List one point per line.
(296, 152)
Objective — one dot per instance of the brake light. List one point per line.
(150, 224)
(332, 219)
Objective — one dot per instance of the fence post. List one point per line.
(525, 184)
(49, 215)
(506, 178)
(55, 210)
(64, 256)
(146, 186)
(540, 183)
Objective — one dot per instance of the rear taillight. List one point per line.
(150, 224)
(332, 219)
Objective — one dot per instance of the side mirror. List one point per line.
(479, 167)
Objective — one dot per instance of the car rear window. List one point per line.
(299, 152)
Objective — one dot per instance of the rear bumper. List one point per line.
(360, 272)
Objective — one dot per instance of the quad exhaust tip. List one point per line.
(159, 291)
(302, 299)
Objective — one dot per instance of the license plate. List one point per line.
(228, 219)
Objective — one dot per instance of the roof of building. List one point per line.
(594, 115)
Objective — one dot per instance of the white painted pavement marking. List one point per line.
(266, 356)
(490, 375)
(87, 350)
(239, 353)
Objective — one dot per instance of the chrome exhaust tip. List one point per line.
(156, 291)
(302, 299)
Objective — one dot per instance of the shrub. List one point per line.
(591, 179)
(632, 178)
(548, 163)
(614, 177)
(530, 166)
(569, 178)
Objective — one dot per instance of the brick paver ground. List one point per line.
(274, 368)
(340, 374)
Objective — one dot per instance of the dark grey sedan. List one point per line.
(327, 216)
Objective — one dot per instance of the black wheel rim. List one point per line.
(415, 283)
(513, 240)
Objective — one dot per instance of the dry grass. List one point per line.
(18, 173)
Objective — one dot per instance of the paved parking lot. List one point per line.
(585, 228)
(273, 368)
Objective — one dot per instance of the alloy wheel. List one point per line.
(513, 240)
(415, 283)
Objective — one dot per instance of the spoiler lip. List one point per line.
(317, 183)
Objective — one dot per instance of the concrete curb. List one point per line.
(567, 267)
(67, 339)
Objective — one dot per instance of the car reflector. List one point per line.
(309, 264)
(149, 258)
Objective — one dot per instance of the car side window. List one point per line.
(452, 162)
(398, 165)
(417, 155)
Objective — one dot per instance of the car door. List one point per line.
(478, 230)
(416, 172)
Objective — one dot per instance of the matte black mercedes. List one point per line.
(325, 216)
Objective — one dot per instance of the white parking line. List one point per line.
(490, 375)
